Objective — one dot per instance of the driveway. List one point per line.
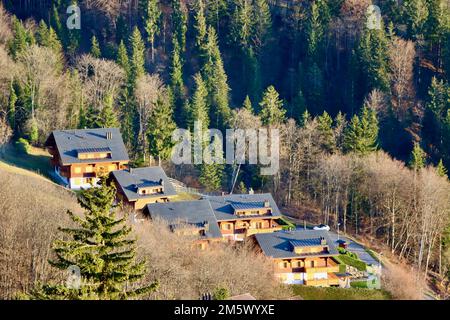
(355, 248)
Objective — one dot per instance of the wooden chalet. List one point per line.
(194, 219)
(301, 257)
(242, 215)
(138, 187)
(79, 156)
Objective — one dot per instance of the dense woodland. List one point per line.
(364, 113)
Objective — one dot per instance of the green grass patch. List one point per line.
(29, 158)
(286, 224)
(318, 293)
(184, 196)
(350, 261)
(359, 284)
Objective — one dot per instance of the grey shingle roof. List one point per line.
(70, 142)
(279, 244)
(143, 177)
(194, 212)
(223, 206)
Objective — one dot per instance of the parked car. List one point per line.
(322, 227)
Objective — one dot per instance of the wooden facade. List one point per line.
(314, 271)
(139, 204)
(240, 229)
(86, 173)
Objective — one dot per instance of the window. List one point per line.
(312, 264)
(259, 225)
(77, 169)
(226, 226)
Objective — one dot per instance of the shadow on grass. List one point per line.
(38, 163)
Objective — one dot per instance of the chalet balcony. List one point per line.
(252, 231)
(332, 266)
(332, 280)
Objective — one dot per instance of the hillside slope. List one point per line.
(31, 210)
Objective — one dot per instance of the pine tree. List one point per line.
(95, 48)
(122, 58)
(200, 27)
(417, 160)
(247, 105)
(108, 117)
(314, 32)
(272, 112)
(416, 12)
(305, 118)
(137, 61)
(216, 82)
(42, 33)
(177, 83)
(198, 109)
(55, 23)
(262, 24)
(211, 172)
(11, 115)
(101, 247)
(161, 127)
(361, 135)
(20, 40)
(373, 59)
(215, 11)
(438, 12)
(151, 20)
(441, 170)
(242, 24)
(179, 21)
(327, 139)
(439, 98)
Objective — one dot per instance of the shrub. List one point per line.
(221, 294)
(22, 145)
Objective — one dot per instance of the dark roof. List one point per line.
(279, 244)
(143, 177)
(195, 212)
(224, 206)
(93, 150)
(70, 142)
(313, 242)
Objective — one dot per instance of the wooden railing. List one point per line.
(332, 280)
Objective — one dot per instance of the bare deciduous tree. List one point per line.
(401, 56)
(149, 88)
(100, 78)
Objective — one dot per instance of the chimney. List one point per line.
(206, 226)
(266, 203)
(108, 135)
(323, 242)
(250, 191)
(130, 169)
(161, 182)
